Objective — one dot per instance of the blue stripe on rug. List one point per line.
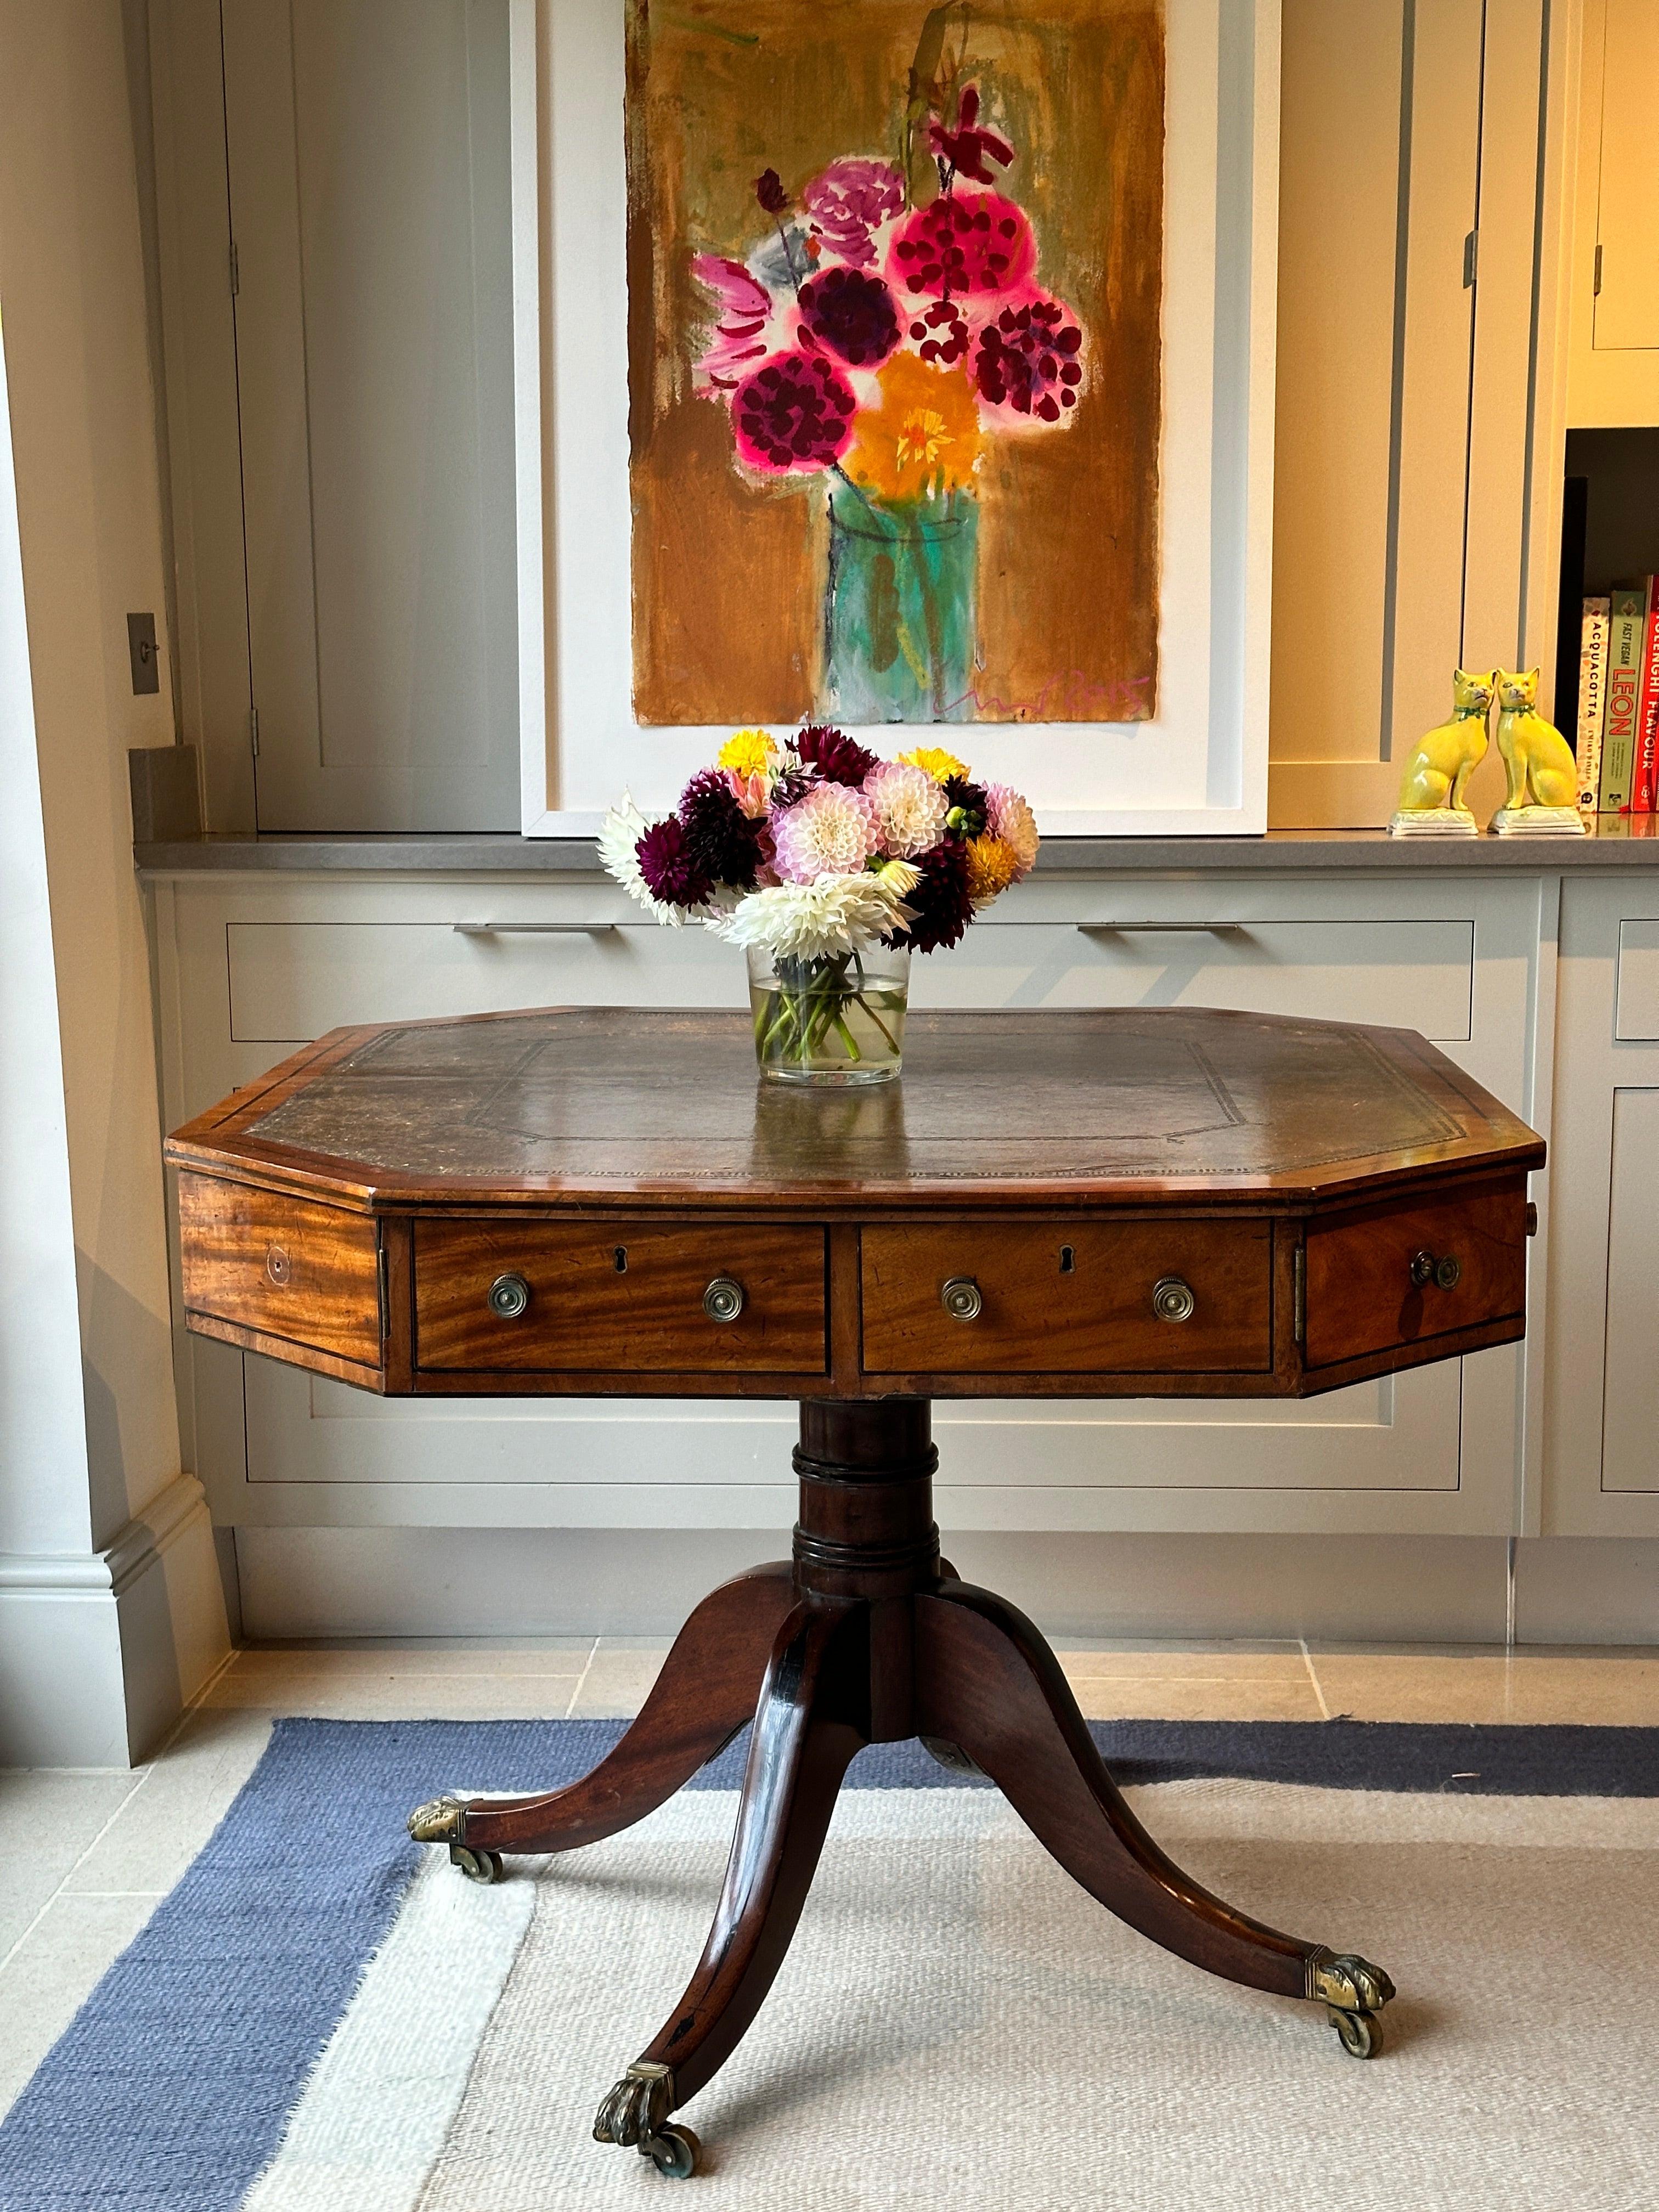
(170, 2090)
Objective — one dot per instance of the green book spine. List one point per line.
(1627, 629)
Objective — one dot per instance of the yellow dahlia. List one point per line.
(939, 764)
(922, 439)
(992, 867)
(750, 752)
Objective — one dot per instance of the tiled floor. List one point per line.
(88, 1855)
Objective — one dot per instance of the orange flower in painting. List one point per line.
(924, 437)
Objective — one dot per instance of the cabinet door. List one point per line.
(1627, 243)
(367, 146)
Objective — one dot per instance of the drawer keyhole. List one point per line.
(1067, 1260)
(619, 1259)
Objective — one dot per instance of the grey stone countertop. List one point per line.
(1320, 851)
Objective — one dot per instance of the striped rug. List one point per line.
(325, 2018)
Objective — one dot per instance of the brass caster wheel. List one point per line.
(1360, 2033)
(674, 2151)
(476, 1866)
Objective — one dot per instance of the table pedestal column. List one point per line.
(867, 1637)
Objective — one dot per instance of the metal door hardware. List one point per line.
(961, 1300)
(1425, 1269)
(535, 928)
(1161, 929)
(723, 1299)
(508, 1296)
(1173, 1299)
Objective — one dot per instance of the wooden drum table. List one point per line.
(1148, 1203)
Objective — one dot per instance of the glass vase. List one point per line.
(838, 1020)
(899, 616)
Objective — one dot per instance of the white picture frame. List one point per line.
(1200, 765)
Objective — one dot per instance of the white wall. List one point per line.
(92, 1492)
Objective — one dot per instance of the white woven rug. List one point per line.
(957, 2024)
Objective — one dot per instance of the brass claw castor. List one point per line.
(636, 2111)
(443, 1821)
(1353, 1992)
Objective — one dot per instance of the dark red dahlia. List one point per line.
(851, 314)
(969, 807)
(1027, 359)
(719, 840)
(794, 412)
(964, 242)
(939, 902)
(792, 786)
(833, 755)
(939, 333)
(669, 870)
(967, 149)
(768, 190)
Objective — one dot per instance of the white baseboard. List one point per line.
(100, 1651)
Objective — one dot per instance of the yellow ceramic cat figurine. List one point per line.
(1431, 803)
(1543, 775)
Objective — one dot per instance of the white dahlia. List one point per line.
(1010, 820)
(816, 920)
(909, 808)
(624, 826)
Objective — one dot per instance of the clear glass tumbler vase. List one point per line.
(836, 1020)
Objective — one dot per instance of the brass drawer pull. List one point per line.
(1172, 1300)
(1425, 1269)
(961, 1300)
(723, 1299)
(508, 1296)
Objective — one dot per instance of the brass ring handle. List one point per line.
(1173, 1299)
(508, 1296)
(723, 1300)
(961, 1300)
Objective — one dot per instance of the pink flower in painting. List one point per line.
(1027, 360)
(793, 413)
(909, 807)
(1011, 823)
(743, 309)
(851, 314)
(829, 832)
(850, 201)
(964, 242)
(940, 332)
(967, 149)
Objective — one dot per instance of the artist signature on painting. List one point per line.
(1073, 698)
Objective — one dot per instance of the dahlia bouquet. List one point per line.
(830, 867)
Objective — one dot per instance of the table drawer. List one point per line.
(1361, 1297)
(613, 1298)
(1063, 1297)
(287, 1266)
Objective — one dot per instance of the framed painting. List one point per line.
(898, 367)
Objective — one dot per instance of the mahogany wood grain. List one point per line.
(1361, 1297)
(611, 1297)
(1063, 1296)
(285, 1266)
(707, 1690)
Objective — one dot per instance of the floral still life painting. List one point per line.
(895, 284)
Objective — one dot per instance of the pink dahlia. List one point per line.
(1026, 360)
(742, 310)
(795, 412)
(829, 832)
(938, 332)
(851, 314)
(964, 242)
(851, 200)
(1010, 822)
(910, 809)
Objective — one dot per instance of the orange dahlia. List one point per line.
(922, 440)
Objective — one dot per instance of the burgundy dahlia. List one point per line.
(670, 872)
(833, 754)
(768, 190)
(939, 333)
(851, 314)
(794, 412)
(790, 788)
(968, 806)
(718, 839)
(1027, 359)
(940, 902)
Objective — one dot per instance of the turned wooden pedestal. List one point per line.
(1166, 1202)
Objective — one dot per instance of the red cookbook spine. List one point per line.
(1644, 795)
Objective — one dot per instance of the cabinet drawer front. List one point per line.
(1040, 1315)
(305, 1273)
(613, 1297)
(1360, 1295)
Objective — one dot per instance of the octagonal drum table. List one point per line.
(1171, 1203)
